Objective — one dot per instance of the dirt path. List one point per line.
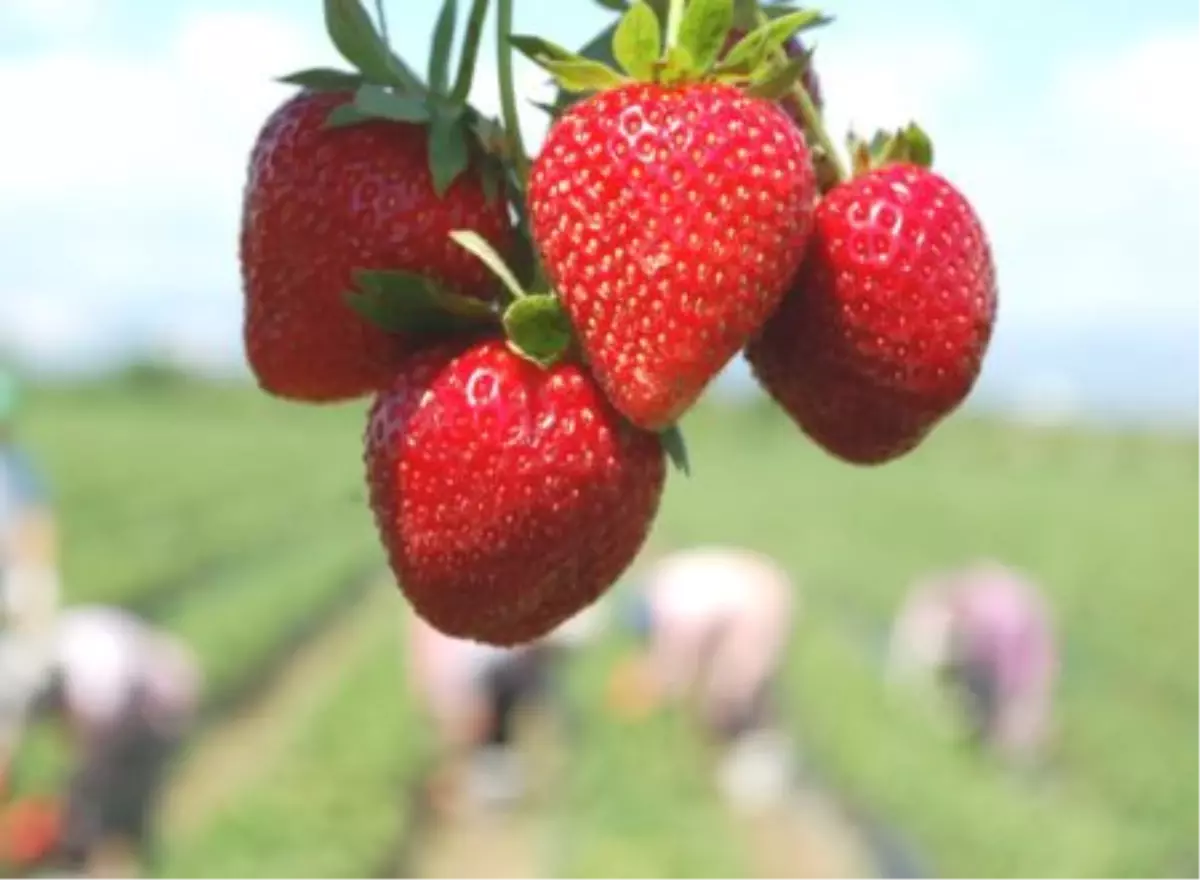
(241, 748)
(510, 843)
(806, 837)
(806, 834)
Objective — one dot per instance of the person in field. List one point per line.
(987, 631)
(29, 587)
(126, 695)
(715, 624)
(474, 695)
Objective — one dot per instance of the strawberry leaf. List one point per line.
(583, 76)
(776, 84)
(469, 54)
(758, 45)
(476, 244)
(403, 302)
(376, 101)
(572, 72)
(538, 329)
(676, 449)
(354, 36)
(324, 79)
(443, 41)
(637, 42)
(449, 153)
(704, 29)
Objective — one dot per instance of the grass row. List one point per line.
(636, 801)
(1105, 522)
(331, 804)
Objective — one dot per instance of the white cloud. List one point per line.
(130, 200)
(49, 17)
(870, 84)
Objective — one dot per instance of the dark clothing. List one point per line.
(114, 791)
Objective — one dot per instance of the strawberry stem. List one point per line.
(470, 53)
(832, 168)
(674, 20)
(381, 15)
(508, 94)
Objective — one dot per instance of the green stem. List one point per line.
(508, 92)
(381, 15)
(814, 124)
(470, 52)
(674, 20)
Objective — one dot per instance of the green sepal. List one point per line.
(404, 302)
(677, 67)
(614, 5)
(777, 84)
(538, 328)
(757, 47)
(324, 79)
(915, 145)
(449, 149)
(908, 145)
(491, 178)
(477, 245)
(637, 41)
(676, 448)
(380, 103)
(345, 115)
(572, 72)
(443, 41)
(703, 30)
(354, 36)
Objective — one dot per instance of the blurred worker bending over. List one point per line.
(126, 695)
(987, 632)
(716, 624)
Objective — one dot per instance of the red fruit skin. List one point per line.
(320, 203)
(671, 221)
(508, 497)
(885, 331)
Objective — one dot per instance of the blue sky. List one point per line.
(1066, 123)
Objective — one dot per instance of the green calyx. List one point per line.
(538, 329)
(535, 324)
(910, 145)
(386, 88)
(677, 43)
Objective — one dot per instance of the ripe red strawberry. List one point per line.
(885, 330)
(671, 220)
(509, 496)
(321, 203)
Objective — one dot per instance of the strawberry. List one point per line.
(508, 495)
(671, 205)
(670, 220)
(885, 330)
(321, 203)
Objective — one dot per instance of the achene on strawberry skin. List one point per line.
(671, 221)
(886, 328)
(324, 202)
(508, 495)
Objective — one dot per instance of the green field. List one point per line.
(240, 522)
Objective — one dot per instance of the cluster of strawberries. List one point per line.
(532, 333)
